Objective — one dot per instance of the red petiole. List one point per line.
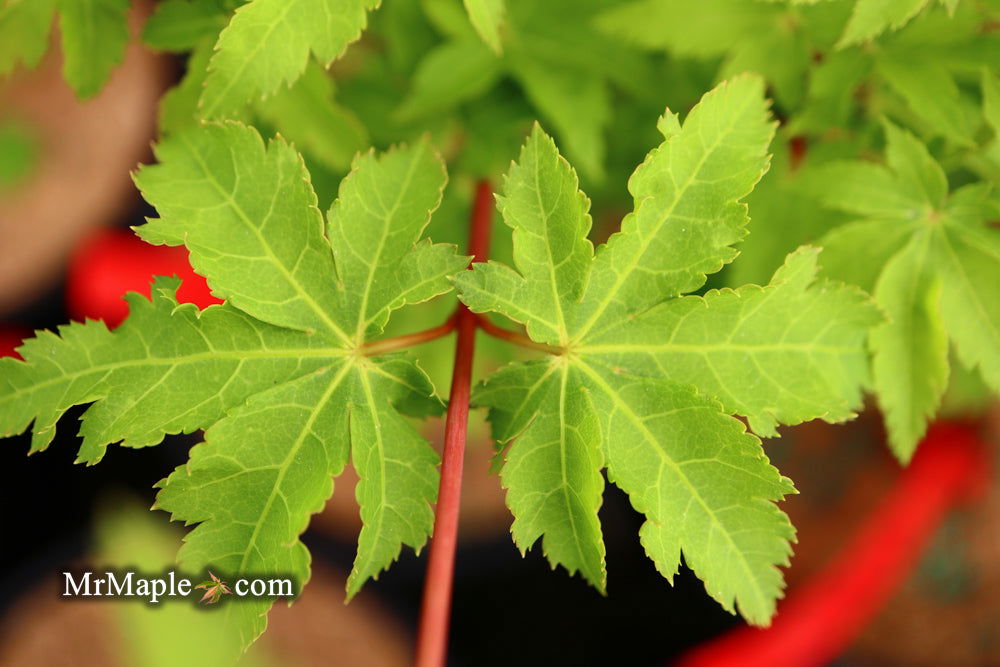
(435, 612)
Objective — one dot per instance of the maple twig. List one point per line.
(435, 611)
(409, 340)
(513, 336)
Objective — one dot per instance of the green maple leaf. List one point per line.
(870, 18)
(278, 375)
(24, 32)
(930, 89)
(179, 25)
(687, 27)
(487, 17)
(94, 35)
(931, 261)
(643, 380)
(268, 42)
(307, 115)
(927, 63)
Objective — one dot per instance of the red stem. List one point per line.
(514, 337)
(409, 340)
(435, 612)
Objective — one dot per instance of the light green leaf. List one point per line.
(24, 32)
(487, 17)
(686, 215)
(705, 486)
(873, 17)
(917, 173)
(253, 498)
(931, 93)
(180, 25)
(991, 100)
(247, 213)
(784, 353)
(307, 115)
(374, 226)
(149, 383)
(911, 350)
(616, 390)
(553, 468)
(933, 262)
(397, 469)
(267, 43)
(857, 252)
(575, 102)
(455, 72)
(542, 203)
(698, 28)
(968, 257)
(863, 188)
(94, 35)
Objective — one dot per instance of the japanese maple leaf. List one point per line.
(280, 376)
(642, 381)
(215, 588)
(931, 258)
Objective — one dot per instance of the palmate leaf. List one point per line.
(645, 380)
(278, 375)
(932, 261)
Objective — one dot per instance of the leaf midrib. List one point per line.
(234, 355)
(651, 438)
(705, 348)
(290, 456)
(387, 218)
(264, 244)
(248, 58)
(960, 269)
(679, 195)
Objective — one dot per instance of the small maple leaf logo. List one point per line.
(215, 588)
